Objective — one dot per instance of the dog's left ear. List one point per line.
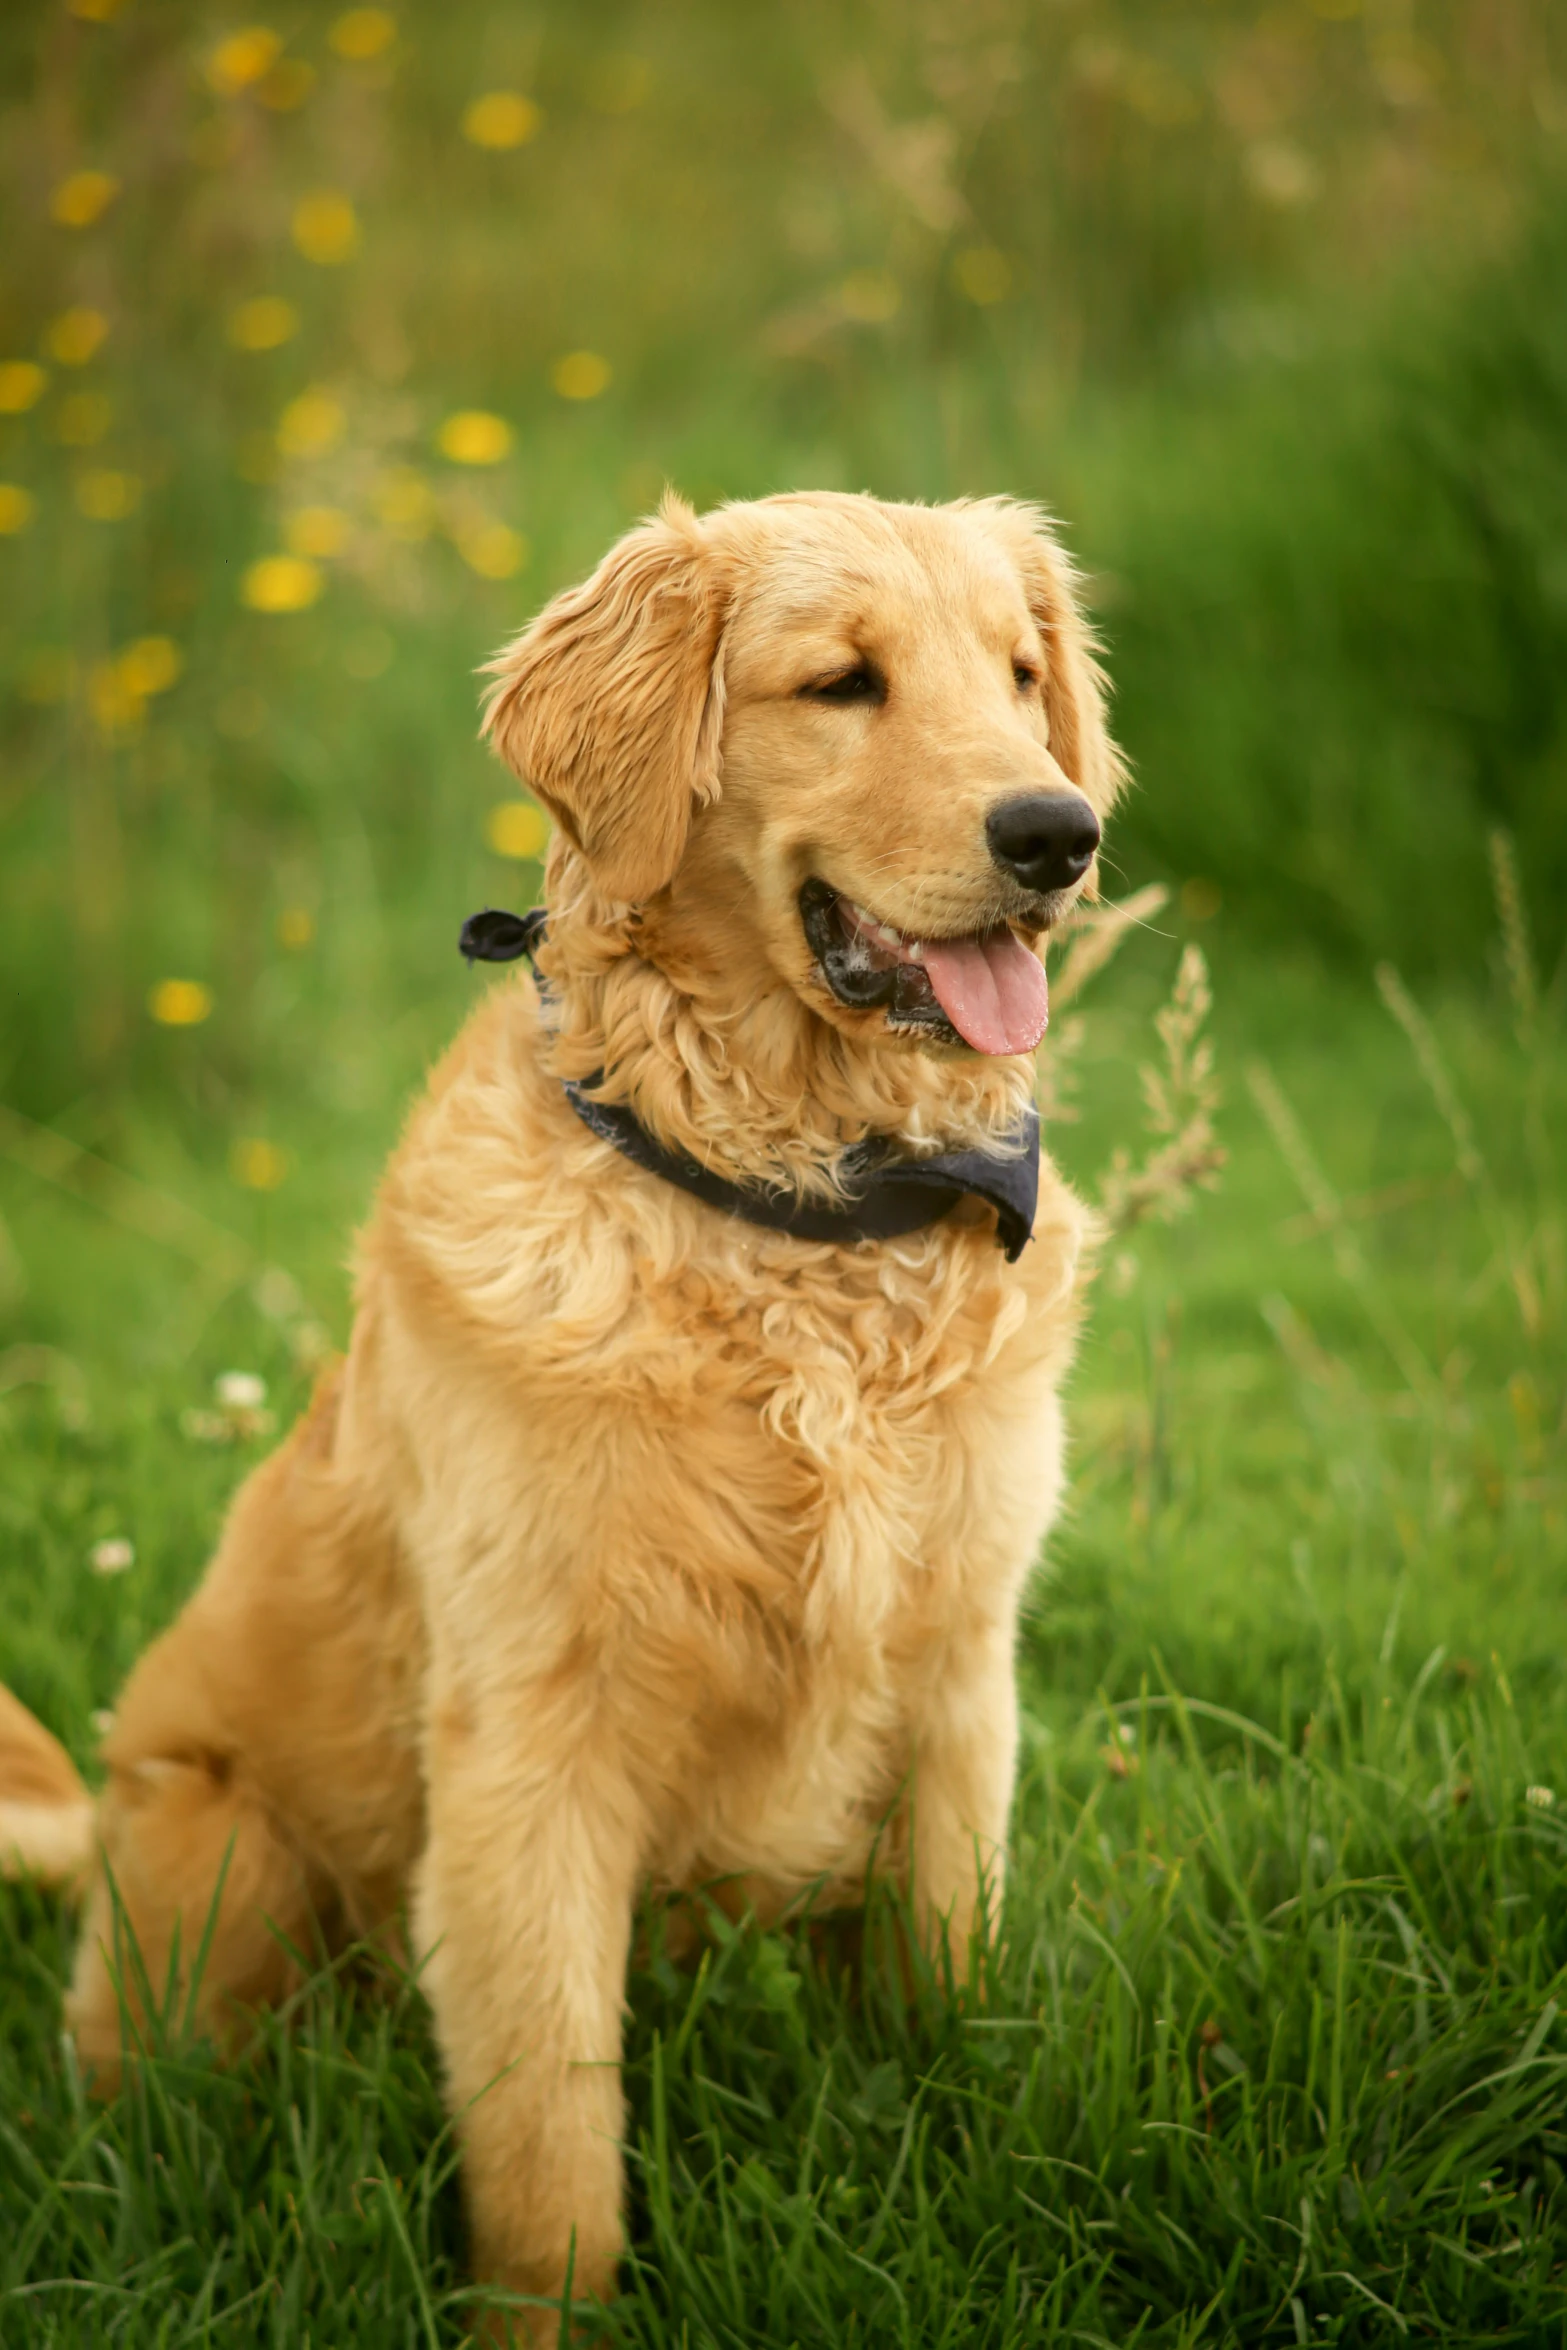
(1074, 686)
(610, 706)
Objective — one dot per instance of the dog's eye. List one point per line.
(1024, 678)
(860, 684)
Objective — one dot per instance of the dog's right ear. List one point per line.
(610, 707)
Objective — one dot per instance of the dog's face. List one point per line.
(859, 745)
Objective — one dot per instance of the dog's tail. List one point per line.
(46, 1814)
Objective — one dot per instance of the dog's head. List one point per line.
(855, 748)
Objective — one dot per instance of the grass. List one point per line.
(1267, 2047)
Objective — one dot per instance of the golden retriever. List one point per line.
(636, 1544)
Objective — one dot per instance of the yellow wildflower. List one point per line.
(107, 496)
(242, 59)
(501, 118)
(363, 33)
(474, 437)
(76, 335)
(22, 382)
(83, 198)
(16, 508)
(493, 550)
(258, 1164)
(281, 583)
(516, 828)
(326, 227)
(317, 530)
(581, 375)
(151, 665)
(983, 274)
(116, 705)
(180, 1003)
(262, 323)
(310, 424)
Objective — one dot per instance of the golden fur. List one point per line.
(46, 1818)
(631, 1544)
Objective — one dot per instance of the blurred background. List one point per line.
(331, 345)
(332, 342)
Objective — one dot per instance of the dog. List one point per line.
(667, 1522)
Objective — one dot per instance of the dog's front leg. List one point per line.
(964, 1763)
(524, 1905)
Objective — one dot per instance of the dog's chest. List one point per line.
(885, 1466)
(839, 1439)
(742, 1496)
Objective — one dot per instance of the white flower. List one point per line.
(1543, 1798)
(112, 1557)
(240, 1391)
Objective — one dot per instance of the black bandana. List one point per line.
(889, 1195)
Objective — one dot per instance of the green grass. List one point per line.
(1268, 2047)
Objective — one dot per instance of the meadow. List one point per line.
(327, 349)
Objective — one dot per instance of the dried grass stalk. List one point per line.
(1180, 1099)
(1094, 934)
(1435, 1071)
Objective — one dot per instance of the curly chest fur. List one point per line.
(909, 1411)
(753, 1490)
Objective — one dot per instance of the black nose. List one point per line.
(1045, 840)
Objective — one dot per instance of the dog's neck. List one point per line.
(744, 1078)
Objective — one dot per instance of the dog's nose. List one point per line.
(1045, 840)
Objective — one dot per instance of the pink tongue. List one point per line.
(992, 990)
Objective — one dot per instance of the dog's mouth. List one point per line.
(985, 990)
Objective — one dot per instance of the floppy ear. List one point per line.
(610, 707)
(1074, 685)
